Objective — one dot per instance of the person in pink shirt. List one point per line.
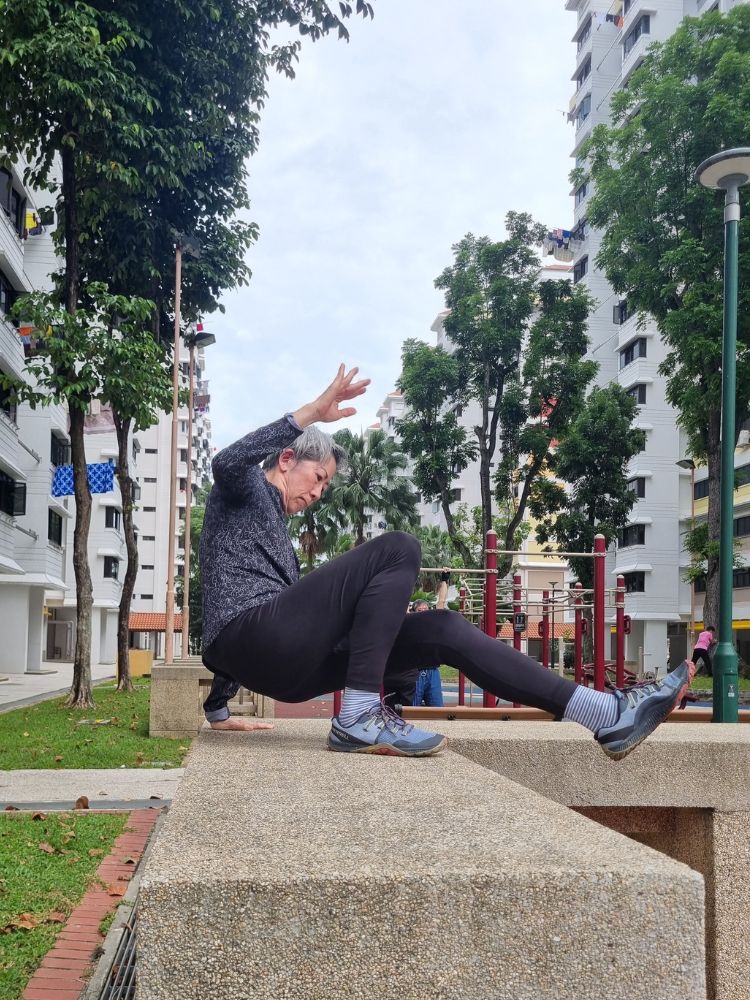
(706, 640)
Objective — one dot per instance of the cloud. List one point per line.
(435, 120)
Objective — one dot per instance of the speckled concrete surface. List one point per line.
(683, 764)
(285, 871)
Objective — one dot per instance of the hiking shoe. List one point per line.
(382, 731)
(641, 709)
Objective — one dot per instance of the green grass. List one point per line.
(44, 887)
(48, 735)
(703, 683)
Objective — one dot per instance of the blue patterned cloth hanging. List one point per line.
(101, 477)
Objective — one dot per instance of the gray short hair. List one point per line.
(312, 445)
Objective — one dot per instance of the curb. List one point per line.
(63, 974)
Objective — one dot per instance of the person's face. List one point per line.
(305, 481)
(422, 607)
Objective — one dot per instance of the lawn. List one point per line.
(46, 865)
(114, 734)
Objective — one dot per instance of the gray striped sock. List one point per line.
(355, 703)
(592, 709)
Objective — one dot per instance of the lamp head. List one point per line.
(725, 170)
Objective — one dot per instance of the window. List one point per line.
(149, 538)
(8, 404)
(642, 27)
(634, 534)
(59, 451)
(635, 350)
(638, 486)
(741, 578)
(152, 451)
(149, 479)
(585, 34)
(183, 485)
(621, 313)
(112, 518)
(146, 566)
(583, 73)
(741, 526)
(635, 583)
(54, 527)
(455, 496)
(8, 295)
(580, 194)
(111, 567)
(147, 597)
(149, 510)
(12, 496)
(583, 110)
(638, 392)
(183, 454)
(700, 490)
(580, 269)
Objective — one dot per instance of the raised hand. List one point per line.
(327, 407)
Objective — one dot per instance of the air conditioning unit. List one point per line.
(744, 439)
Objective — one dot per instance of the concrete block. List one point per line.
(286, 871)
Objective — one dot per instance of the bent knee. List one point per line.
(405, 544)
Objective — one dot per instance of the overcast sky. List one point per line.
(435, 120)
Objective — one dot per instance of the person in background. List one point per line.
(429, 687)
(706, 641)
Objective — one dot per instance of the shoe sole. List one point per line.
(386, 750)
(651, 721)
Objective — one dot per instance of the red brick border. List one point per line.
(65, 969)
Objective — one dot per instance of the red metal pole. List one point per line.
(461, 677)
(545, 628)
(517, 610)
(578, 654)
(336, 703)
(620, 625)
(599, 566)
(490, 600)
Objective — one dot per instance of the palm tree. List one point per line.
(372, 482)
(437, 550)
(317, 530)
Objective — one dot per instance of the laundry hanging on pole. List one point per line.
(101, 476)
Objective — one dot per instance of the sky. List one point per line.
(435, 120)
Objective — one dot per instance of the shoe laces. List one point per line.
(637, 692)
(384, 717)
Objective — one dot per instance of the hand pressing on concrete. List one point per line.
(240, 725)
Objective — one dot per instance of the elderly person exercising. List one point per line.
(344, 625)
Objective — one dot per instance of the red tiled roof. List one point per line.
(152, 621)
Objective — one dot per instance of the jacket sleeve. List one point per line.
(233, 465)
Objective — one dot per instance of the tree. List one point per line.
(542, 399)
(317, 530)
(434, 387)
(437, 551)
(590, 495)
(662, 246)
(491, 290)
(372, 481)
(197, 516)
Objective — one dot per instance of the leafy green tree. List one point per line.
(437, 550)
(590, 495)
(197, 516)
(490, 292)
(434, 389)
(372, 482)
(542, 399)
(317, 530)
(662, 246)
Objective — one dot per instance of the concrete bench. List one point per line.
(177, 695)
(286, 871)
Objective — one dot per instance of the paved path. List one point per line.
(104, 788)
(18, 690)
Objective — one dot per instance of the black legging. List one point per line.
(702, 654)
(345, 624)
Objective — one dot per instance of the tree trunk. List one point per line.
(462, 547)
(505, 562)
(81, 695)
(124, 681)
(713, 455)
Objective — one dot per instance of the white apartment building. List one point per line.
(32, 443)
(611, 39)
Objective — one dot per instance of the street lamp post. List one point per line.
(552, 659)
(189, 246)
(197, 339)
(727, 171)
(688, 463)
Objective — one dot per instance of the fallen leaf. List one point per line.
(47, 848)
(26, 734)
(116, 890)
(58, 758)
(155, 796)
(140, 757)
(73, 859)
(24, 922)
(82, 802)
(123, 878)
(55, 917)
(11, 809)
(95, 852)
(129, 861)
(39, 816)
